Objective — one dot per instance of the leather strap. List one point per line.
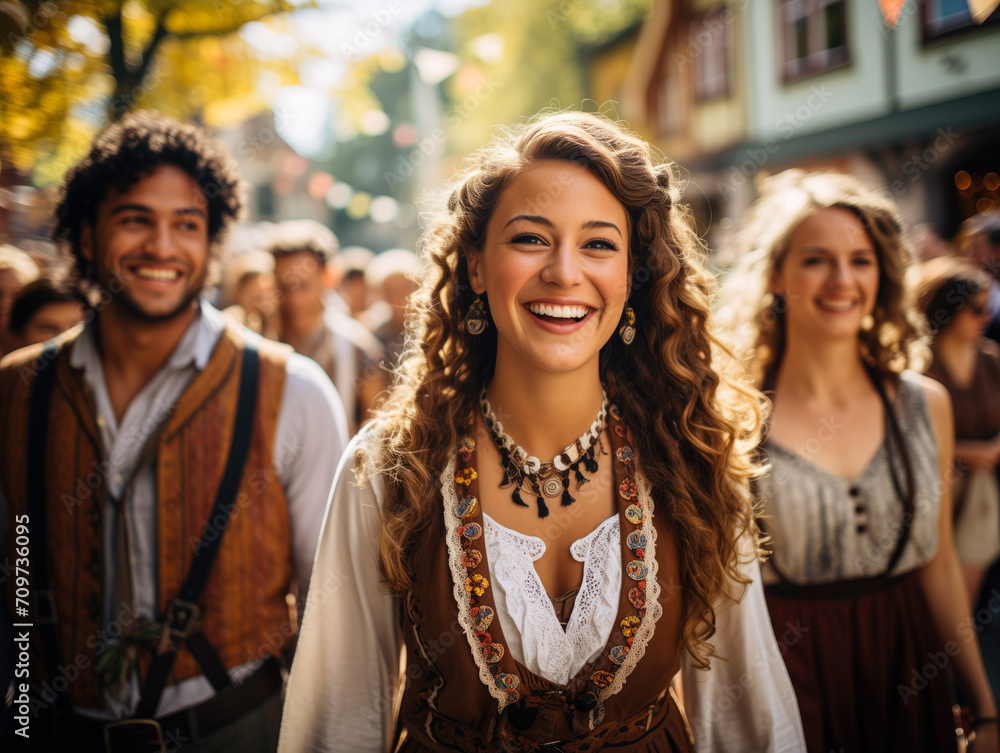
(181, 617)
(82, 734)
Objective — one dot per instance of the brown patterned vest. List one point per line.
(244, 612)
(463, 690)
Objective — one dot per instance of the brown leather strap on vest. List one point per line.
(180, 623)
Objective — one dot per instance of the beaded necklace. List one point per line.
(523, 471)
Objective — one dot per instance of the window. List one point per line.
(815, 36)
(709, 45)
(944, 17)
(672, 99)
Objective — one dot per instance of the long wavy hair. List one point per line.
(753, 318)
(692, 412)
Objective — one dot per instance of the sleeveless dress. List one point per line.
(869, 670)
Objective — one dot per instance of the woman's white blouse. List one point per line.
(346, 676)
(530, 627)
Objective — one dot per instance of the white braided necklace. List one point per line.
(524, 471)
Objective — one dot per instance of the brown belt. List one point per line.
(82, 734)
(439, 729)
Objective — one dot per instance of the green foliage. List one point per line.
(69, 67)
(542, 63)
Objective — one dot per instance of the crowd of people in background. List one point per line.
(873, 545)
(344, 309)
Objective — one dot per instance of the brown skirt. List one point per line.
(869, 670)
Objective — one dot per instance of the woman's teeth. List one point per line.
(157, 274)
(837, 305)
(558, 312)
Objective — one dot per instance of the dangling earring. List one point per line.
(627, 331)
(867, 323)
(475, 320)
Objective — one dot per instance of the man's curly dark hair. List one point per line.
(131, 149)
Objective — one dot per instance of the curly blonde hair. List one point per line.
(753, 318)
(689, 404)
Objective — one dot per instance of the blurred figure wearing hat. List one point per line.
(249, 293)
(392, 276)
(353, 290)
(952, 293)
(343, 347)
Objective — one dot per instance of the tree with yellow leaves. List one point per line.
(70, 67)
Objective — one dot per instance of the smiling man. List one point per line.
(166, 472)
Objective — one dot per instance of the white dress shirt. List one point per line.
(309, 438)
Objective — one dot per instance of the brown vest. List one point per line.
(244, 612)
(452, 701)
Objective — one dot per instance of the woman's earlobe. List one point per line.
(475, 279)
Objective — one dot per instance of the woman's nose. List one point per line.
(563, 267)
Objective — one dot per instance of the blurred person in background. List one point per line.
(249, 292)
(348, 353)
(17, 269)
(44, 309)
(953, 294)
(855, 500)
(159, 415)
(953, 297)
(979, 242)
(927, 244)
(391, 276)
(353, 289)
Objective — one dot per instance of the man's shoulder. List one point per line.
(271, 352)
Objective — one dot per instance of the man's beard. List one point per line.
(135, 311)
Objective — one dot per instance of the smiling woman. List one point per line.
(857, 498)
(553, 500)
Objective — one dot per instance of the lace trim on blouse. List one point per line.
(453, 539)
(526, 610)
(582, 549)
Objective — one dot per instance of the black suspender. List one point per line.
(180, 622)
(45, 603)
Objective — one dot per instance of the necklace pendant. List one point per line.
(552, 487)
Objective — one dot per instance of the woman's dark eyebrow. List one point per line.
(530, 218)
(548, 223)
(599, 224)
